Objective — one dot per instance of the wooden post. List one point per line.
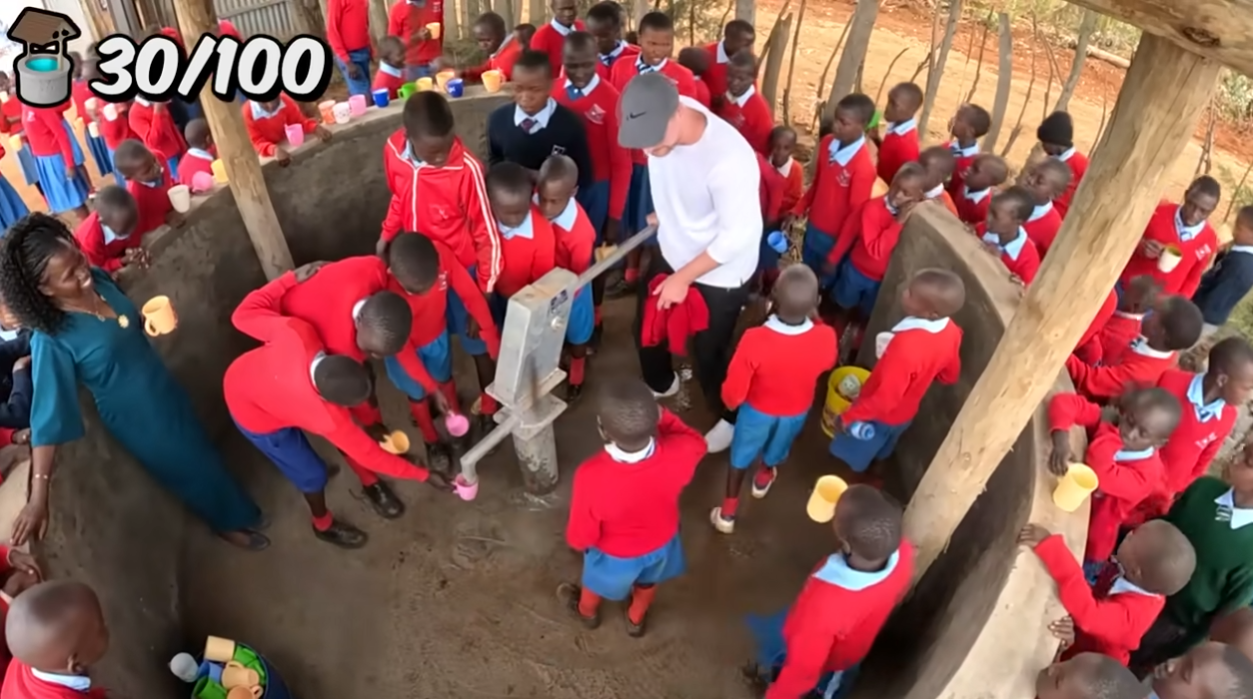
(861, 26)
(1004, 76)
(1164, 93)
(195, 17)
(936, 74)
(746, 10)
(776, 44)
(378, 19)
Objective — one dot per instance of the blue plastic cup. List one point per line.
(381, 99)
(778, 242)
(455, 87)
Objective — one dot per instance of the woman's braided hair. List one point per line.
(24, 255)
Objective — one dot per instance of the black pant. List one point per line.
(712, 347)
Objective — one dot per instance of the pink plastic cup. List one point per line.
(358, 105)
(465, 491)
(457, 424)
(201, 182)
(295, 135)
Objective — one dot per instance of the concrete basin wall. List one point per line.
(975, 627)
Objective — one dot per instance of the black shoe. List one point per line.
(569, 594)
(439, 457)
(619, 289)
(635, 630)
(384, 501)
(573, 391)
(343, 535)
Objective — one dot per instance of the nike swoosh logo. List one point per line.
(636, 116)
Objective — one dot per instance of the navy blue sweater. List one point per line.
(1224, 285)
(16, 387)
(564, 135)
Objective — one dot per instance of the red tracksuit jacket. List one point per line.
(1026, 265)
(753, 120)
(1043, 230)
(550, 40)
(1139, 366)
(106, 256)
(195, 161)
(1197, 254)
(776, 366)
(897, 149)
(347, 26)
(267, 132)
(837, 190)
(674, 325)
(795, 176)
(1089, 348)
(154, 126)
(447, 204)
(21, 683)
(406, 19)
(1078, 163)
(153, 202)
(957, 183)
(972, 207)
(914, 358)
(610, 162)
(869, 236)
(526, 259)
(270, 388)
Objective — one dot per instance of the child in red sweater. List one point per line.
(267, 124)
(842, 182)
(409, 21)
(624, 508)
(500, 45)
(1208, 671)
(604, 23)
(56, 631)
(844, 603)
(1123, 326)
(1046, 180)
(1003, 235)
(148, 179)
(921, 348)
(391, 73)
(697, 60)
(738, 35)
(107, 237)
(1185, 228)
(743, 107)
(1154, 560)
(868, 238)
(970, 124)
(939, 162)
(782, 145)
(550, 38)
(986, 172)
(1088, 676)
(899, 144)
(528, 244)
(575, 240)
(771, 382)
(1174, 325)
(1123, 453)
(199, 158)
(153, 124)
(1057, 135)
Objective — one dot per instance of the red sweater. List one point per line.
(632, 509)
(550, 40)
(106, 256)
(1026, 265)
(753, 120)
(972, 207)
(46, 133)
(771, 190)
(673, 325)
(154, 126)
(21, 683)
(776, 366)
(271, 388)
(1194, 444)
(1105, 623)
(347, 26)
(447, 204)
(794, 174)
(406, 19)
(1116, 337)
(624, 70)
(1043, 231)
(526, 259)
(1078, 163)
(957, 183)
(383, 80)
(1197, 254)
(1141, 366)
(12, 111)
(1089, 348)
(897, 149)
(117, 130)
(267, 132)
(831, 627)
(702, 92)
(716, 76)
(913, 359)
(837, 190)
(428, 309)
(193, 163)
(575, 241)
(152, 202)
(627, 52)
(610, 162)
(504, 58)
(870, 235)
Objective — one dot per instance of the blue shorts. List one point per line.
(361, 58)
(12, 207)
(26, 159)
(582, 318)
(767, 632)
(612, 578)
(436, 358)
(100, 154)
(853, 289)
(639, 203)
(814, 251)
(858, 453)
(293, 455)
(594, 199)
(413, 72)
(459, 320)
(62, 194)
(758, 434)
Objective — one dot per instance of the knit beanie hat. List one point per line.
(1057, 129)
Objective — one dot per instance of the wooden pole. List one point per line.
(1164, 93)
(1004, 77)
(746, 10)
(378, 19)
(936, 74)
(196, 17)
(861, 26)
(777, 44)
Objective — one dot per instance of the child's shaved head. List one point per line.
(559, 168)
(58, 627)
(1047, 180)
(939, 163)
(342, 380)
(1230, 370)
(429, 124)
(868, 522)
(1157, 557)
(509, 188)
(934, 293)
(1235, 629)
(860, 107)
(975, 121)
(414, 261)
(796, 294)
(1088, 676)
(1181, 323)
(1016, 200)
(134, 160)
(628, 414)
(117, 209)
(904, 99)
(695, 59)
(383, 324)
(558, 180)
(197, 134)
(1209, 671)
(985, 171)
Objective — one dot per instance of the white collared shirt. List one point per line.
(935, 191)
(522, 230)
(259, 112)
(200, 153)
(1247, 249)
(1013, 248)
(78, 683)
(1140, 346)
(1186, 233)
(1227, 511)
(722, 56)
(786, 168)
(111, 235)
(1067, 154)
(1123, 586)
(1196, 396)
(916, 323)
(1041, 211)
(608, 58)
(902, 128)
(743, 99)
(144, 102)
(508, 40)
(540, 118)
(960, 152)
(641, 67)
(584, 91)
(782, 328)
(841, 155)
(394, 71)
(630, 457)
(976, 197)
(565, 220)
(561, 28)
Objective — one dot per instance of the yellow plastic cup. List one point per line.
(434, 28)
(15, 143)
(827, 492)
(1074, 488)
(836, 403)
(425, 84)
(492, 80)
(395, 443)
(219, 171)
(442, 78)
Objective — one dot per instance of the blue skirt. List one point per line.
(582, 318)
(100, 153)
(12, 208)
(75, 149)
(26, 160)
(63, 194)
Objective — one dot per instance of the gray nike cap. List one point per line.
(648, 103)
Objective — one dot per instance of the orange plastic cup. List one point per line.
(327, 110)
(492, 80)
(442, 78)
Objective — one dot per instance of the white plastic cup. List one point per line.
(342, 113)
(180, 198)
(881, 342)
(110, 112)
(94, 129)
(1169, 260)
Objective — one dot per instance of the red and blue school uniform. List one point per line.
(103, 246)
(271, 397)
(1042, 225)
(701, 92)
(390, 78)
(716, 76)
(624, 513)
(771, 381)
(900, 146)
(750, 115)
(972, 207)
(501, 59)
(963, 157)
(575, 242)
(12, 207)
(918, 352)
(597, 103)
(11, 123)
(79, 94)
(154, 125)
(1018, 255)
(268, 129)
(1078, 164)
(195, 162)
(1116, 337)
(406, 20)
(115, 127)
(551, 38)
(869, 237)
(1088, 350)
(1196, 244)
(348, 33)
(1140, 365)
(22, 681)
(794, 175)
(449, 205)
(1126, 477)
(529, 252)
(830, 628)
(152, 198)
(607, 60)
(939, 195)
(1111, 616)
(771, 191)
(53, 147)
(842, 182)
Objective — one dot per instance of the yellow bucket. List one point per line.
(837, 403)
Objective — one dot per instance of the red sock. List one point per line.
(421, 410)
(576, 370)
(631, 275)
(449, 389)
(641, 600)
(487, 405)
(367, 477)
(729, 506)
(596, 316)
(324, 522)
(589, 602)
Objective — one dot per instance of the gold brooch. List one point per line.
(123, 321)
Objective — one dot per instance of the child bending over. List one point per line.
(1088, 676)
(107, 237)
(267, 124)
(56, 632)
(1046, 180)
(148, 179)
(1003, 234)
(985, 173)
(970, 124)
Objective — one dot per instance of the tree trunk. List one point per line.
(1004, 79)
(538, 13)
(378, 19)
(861, 27)
(309, 18)
(1157, 111)
(1086, 27)
(936, 74)
(452, 20)
(774, 60)
(746, 10)
(791, 62)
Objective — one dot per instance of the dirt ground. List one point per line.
(458, 599)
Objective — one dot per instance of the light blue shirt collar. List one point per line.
(1196, 395)
(904, 127)
(259, 112)
(630, 457)
(200, 153)
(1123, 586)
(836, 571)
(1227, 510)
(77, 683)
(916, 323)
(836, 154)
(1041, 211)
(975, 197)
(1013, 248)
(394, 71)
(782, 328)
(960, 152)
(1067, 155)
(540, 118)
(1248, 249)
(1186, 233)
(111, 235)
(407, 154)
(524, 230)
(565, 220)
(560, 28)
(1128, 455)
(591, 85)
(157, 182)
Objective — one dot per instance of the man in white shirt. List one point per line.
(704, 180)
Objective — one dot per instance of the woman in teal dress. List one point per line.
(85, 330)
